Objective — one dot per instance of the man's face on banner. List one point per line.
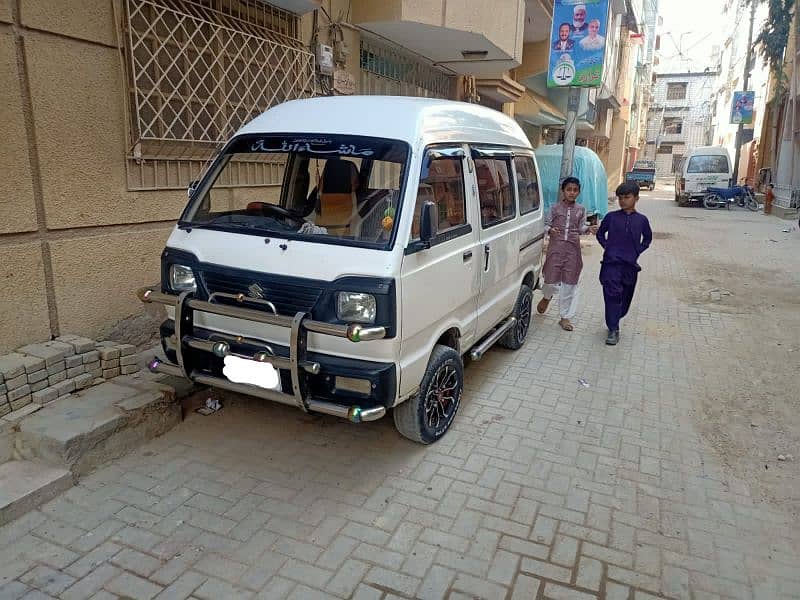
(563, 33)
(579, 15)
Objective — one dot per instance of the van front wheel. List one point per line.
(515, 338)
(427, 416)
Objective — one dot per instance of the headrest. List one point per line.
(338, 176)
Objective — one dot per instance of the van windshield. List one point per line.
(707, 164)
(316, 187)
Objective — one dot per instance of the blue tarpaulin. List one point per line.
(587, 167)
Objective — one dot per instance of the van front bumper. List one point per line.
(352, 389)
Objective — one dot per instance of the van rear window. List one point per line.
(709, 163)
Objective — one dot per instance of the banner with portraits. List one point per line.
(578, 43)
(742, 108)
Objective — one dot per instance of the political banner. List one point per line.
(742, 108)
(578, 43)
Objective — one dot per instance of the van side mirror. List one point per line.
(429, 223)
(192, 187)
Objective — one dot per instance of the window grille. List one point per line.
(197, 71)
(391, 71)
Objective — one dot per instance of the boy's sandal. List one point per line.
(566, 325)
(542, 306)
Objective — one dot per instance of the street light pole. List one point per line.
(746, 82)
(570, 132)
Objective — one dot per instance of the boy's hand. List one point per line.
(593, 229)
(555, 231)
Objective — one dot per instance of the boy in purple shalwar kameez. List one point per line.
(624, 234)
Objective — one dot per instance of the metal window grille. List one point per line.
(197, 71)
(389, 70)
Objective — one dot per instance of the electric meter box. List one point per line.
(325, 59)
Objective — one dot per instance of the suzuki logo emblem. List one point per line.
(255, 291)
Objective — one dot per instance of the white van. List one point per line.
(344, 254)
(703, 167)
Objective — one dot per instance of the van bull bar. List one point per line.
(297, 364)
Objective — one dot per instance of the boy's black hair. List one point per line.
(569, 180)
(629, 187)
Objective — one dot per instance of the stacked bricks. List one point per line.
(117, 359)
(40, 373)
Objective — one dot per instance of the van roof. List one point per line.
(709, 150)
(409, 119)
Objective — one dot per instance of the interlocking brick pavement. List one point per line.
(543, 488)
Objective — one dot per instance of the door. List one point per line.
(499, 237)
(440, 282)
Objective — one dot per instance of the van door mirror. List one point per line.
(192, 187)
(429, 223)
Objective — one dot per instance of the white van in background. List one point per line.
(703, 167)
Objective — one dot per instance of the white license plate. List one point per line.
(260, 374)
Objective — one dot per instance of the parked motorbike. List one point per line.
(741, 195)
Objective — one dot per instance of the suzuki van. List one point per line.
(345, 255)
(702, 168)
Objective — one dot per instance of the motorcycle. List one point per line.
(742, 195)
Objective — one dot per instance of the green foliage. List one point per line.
(775, 35)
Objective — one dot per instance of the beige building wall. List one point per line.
(74, 242)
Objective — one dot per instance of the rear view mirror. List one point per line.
(429, 222)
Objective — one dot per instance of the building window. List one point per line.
(673, 125)
(664, 149)
(388, 70)
(676, 91)
(197, 70)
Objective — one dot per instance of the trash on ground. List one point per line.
(584, 383)
(212, 406)
(781, 457)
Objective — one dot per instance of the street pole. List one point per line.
(570, 132)
(746, 85)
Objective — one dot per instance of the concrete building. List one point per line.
(646, 60)
(109, 108)
(679, 118)
(731, 65)
(779, 149)
(603, 113)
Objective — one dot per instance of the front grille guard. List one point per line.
(297, 363)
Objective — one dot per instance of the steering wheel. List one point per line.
(281, 212)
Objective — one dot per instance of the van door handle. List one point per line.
(467, 255)
(486, 258)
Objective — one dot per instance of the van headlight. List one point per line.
(181, 278)
(356, 307)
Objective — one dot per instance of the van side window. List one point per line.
(494, 190)
(527, 186)
(442, 184)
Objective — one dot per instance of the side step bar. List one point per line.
(478, 351)
(354, 414)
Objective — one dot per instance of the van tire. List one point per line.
(515, 338)
(445, 370)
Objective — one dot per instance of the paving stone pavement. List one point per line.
(544, 488)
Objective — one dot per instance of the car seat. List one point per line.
(337, 198)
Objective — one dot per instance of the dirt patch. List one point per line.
(662, 235)
(750, 411)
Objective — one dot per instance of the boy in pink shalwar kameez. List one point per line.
(564, 225)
